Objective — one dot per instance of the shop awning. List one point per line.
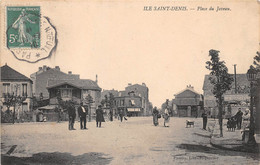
(133, 109)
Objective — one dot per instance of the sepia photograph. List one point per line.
(130, 82)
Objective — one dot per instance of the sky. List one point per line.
(122, 43)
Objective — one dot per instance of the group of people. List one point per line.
(83, 112)
(239, 120)
(157, 115)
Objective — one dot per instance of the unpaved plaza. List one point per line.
(135, 141)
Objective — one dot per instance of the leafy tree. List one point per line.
(221, 81)
(13, 100)
(109, 101)
(257, 61)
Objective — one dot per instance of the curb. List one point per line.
(241, 148)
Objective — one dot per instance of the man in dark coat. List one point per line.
(72, 115)
(82, 111)
(155, 116)
(238, 117)
(205, 119)
(99, 116)
(121, 114)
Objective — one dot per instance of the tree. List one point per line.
(221, 81)
(111, 105)
(257, 61)
(13, 100)
(89, 100)
(109, 102)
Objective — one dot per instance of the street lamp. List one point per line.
(251, 76)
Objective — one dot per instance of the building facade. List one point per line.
(143, 92)
(188, 102)
(17, 84)
(41, 77)
(75, 90)
(134, 100)
(237, 97)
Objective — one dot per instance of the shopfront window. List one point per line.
(66, 93)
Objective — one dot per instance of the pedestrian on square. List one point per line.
(99, 116)
(121, 114)
(72, 116)
(205, 119)
(233, 124)
(229, 122)
(155, 116)
(166, 117)
(82, 111)
(246, 119)
(238, 116)
(111, 115)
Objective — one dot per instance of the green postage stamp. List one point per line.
(23, 25)
(29, 35)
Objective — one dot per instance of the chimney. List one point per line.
(57, 68)
(143, 84)
(44, 67)
(69, 72)
(40, 68)
(96, 78)
(129, 84)
(235, 75)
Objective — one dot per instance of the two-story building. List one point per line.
(188, 102)
(41, 77)
(17, 84)
(237, 97)
(75, 90)
(131, 103)
(143, 92)
(134, 100)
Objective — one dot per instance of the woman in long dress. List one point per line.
(246, 119)
(155, 116)
(166, 117)
(20, 23)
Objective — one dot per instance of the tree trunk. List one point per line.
(220, 113)
(14, 114)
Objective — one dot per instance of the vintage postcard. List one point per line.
(130, 82)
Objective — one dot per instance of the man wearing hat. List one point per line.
(99, 116)
(82, 111)
(238, 116)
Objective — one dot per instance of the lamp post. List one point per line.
(251, 76)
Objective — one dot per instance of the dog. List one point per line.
(189, 123)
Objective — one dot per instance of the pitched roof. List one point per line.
(187, 89)
(240, 78)
(9, 74)
(79, 83)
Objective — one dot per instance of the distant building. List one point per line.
(41, 77)
(76, 90)
(143, 92)
(188, 102)
(134, 100)
(13, 82)
(131, 105)
(237, 97)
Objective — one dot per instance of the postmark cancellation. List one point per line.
(29, 35)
